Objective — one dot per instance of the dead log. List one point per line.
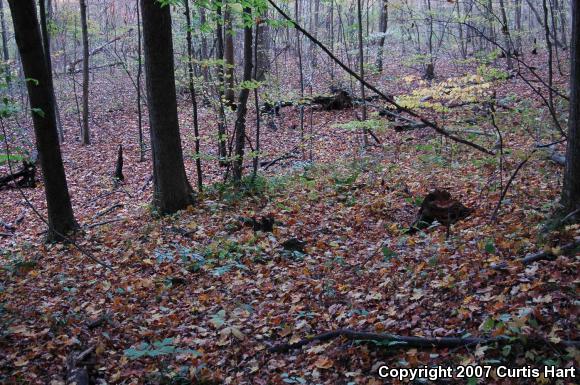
(339, 100)
(26, 177)
(439, 206)
(416, 342)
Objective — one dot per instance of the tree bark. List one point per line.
(193, 96)
(230, 64)
(361, 60)
(571, 190)
(384, 22)
(61, 219)
(505, 30)
(86, 137)
(5, 55)
(46, 44)
(242, 110)
(222, 145)
(172, 191)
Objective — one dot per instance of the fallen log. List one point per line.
(26, 177)
(415, 342)
(338, 100)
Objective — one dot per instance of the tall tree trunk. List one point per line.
(240, 127)
(5, 55)
(61, 219)
(505, 31)
(86, 139)
(46, 44)
(262, 59)
(172, 191)
(139, 88)
(230, 64)
(518, 17)
(222, 136)
(193, 96)
(361, 60)
(383, 24)
(571, 190)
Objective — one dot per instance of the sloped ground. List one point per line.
(200, 295)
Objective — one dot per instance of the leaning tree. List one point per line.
(40, 90)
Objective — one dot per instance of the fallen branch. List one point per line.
(267, 165)
(73, 64)
(97, 68)
(107, 211)
(92, 226)
(548, 255)
(411, 341)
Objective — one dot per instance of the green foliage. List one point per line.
(370, 124)
(157, 349)
(491, 74)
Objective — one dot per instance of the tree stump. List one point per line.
(439, 206)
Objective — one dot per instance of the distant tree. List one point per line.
(61, 219)
(86, 139)
(229, 58)
(240, 127)
(383, 25)
(571, 190)
(172, 191)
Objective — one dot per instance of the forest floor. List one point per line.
(201, 295)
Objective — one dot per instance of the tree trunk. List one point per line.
(172, 191)
(222, 145)
(86, 139)
(240, 127)
(384, 22)
(230, 64)
(46, 44)
(361, 60)
(5, 55)
(518, 17)
(571, 190)
(505, 30)
(262, 59)
(193, 96)
(29, 40)
(139, 89)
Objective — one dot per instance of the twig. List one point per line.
(508, 184)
